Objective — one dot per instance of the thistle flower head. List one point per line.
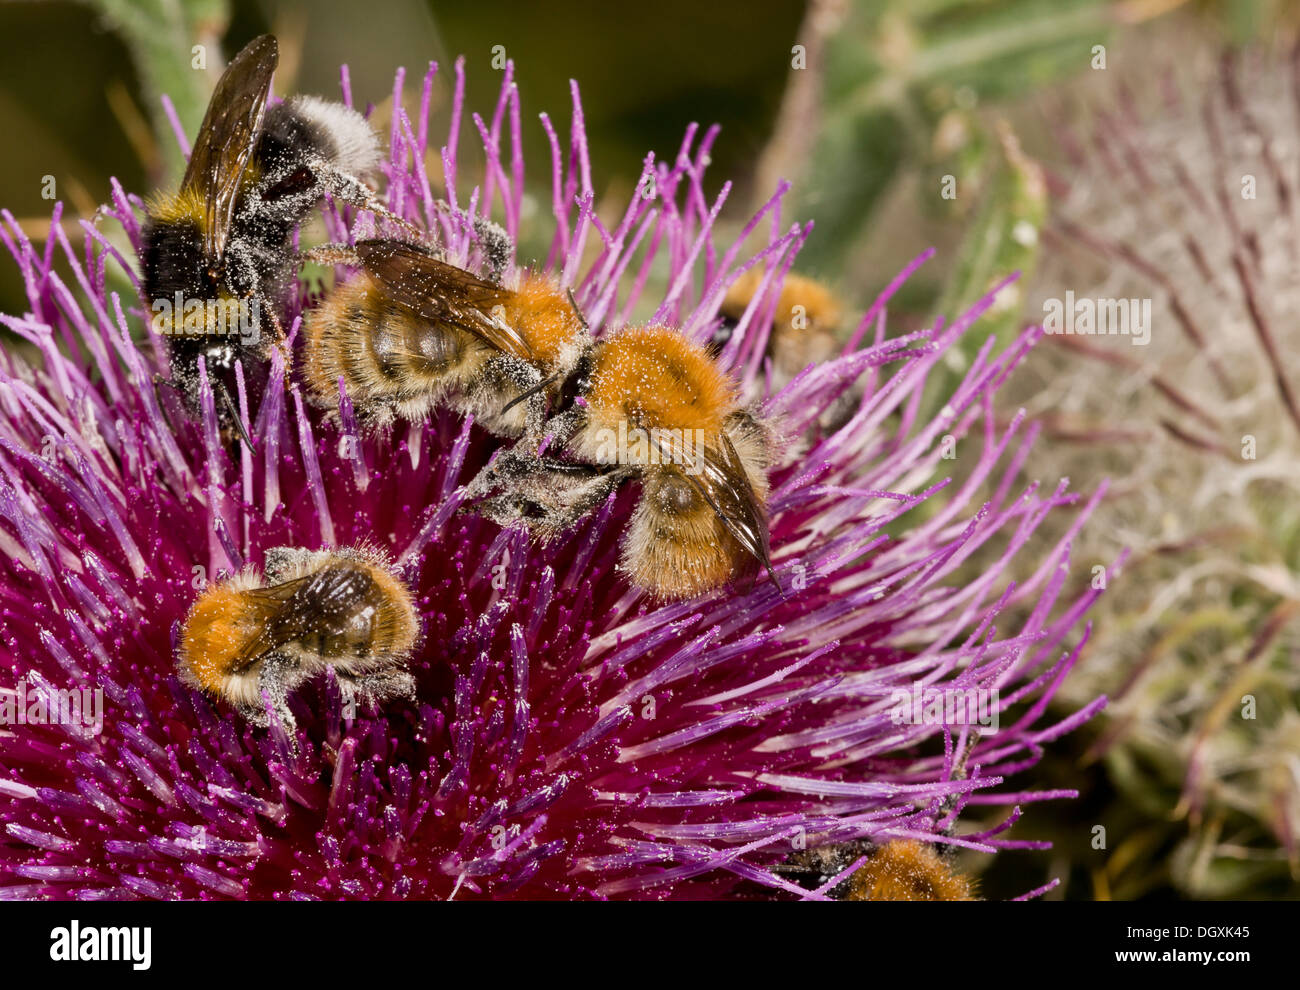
(1184, 199)
(568, 737)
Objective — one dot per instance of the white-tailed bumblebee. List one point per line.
(217, 254)
(254, 633)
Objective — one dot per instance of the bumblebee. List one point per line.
(901, 870)
(898, 870)
(804, 324)
(814, 868)
(410, 333)
(269, 633)
(908, 870)
(647, 403)
(805, 329)
(217, 254)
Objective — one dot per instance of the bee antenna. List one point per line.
(523, 397)
(573, 301)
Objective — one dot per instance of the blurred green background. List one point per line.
(894, 103)
(894, 96)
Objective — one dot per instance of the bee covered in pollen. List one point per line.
(908, 870)
(899, 870)
(254, 634)
(217, 254)
(409, 333)
(647, 403)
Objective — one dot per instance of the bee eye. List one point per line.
(578, 383)
(721, 335)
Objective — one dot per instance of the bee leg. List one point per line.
(331, 254)
(504, 467)
(562, 428)
(576, 499)
(527, 460)
(507, 373)
(375, 689)
(498, 247)
(959, 772)
(349, 189)
(279, 675)
(281, 340)
(280, 561)
(233, 412)
(511, 467)
(559, 495)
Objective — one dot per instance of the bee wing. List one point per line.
(298, 607)
(442, 293)
(717, 473)
(227, 137)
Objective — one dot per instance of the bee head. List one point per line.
(576, 383)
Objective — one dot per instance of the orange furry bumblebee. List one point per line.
(908, 870)
(806, 324)
(254, 633)
(901, 870)
(410, 333)
(645, 402)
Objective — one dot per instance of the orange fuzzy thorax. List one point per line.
(820, 306)
(542, 314)
(216, 630)
(653, 377)
(908, 870)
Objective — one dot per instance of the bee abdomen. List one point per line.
(433, 350)
(172, 261)
(676, 543)
(381, 351)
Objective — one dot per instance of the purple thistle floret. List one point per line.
(569, 737)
